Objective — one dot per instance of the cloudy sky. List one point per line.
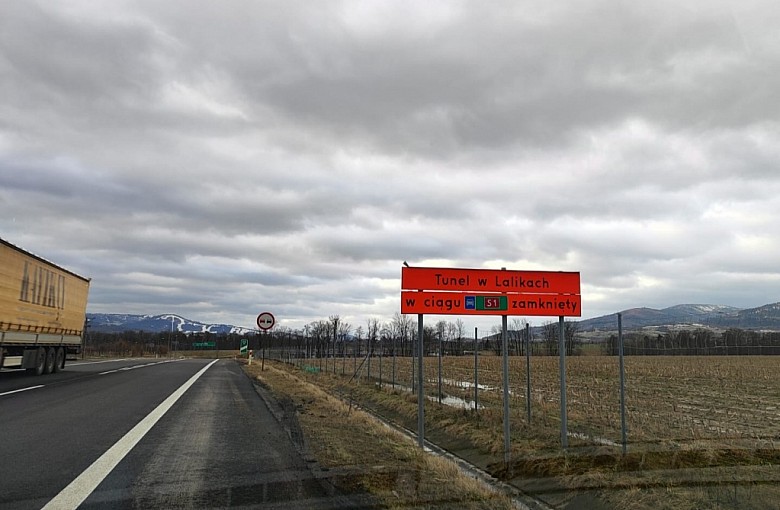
(219, 159)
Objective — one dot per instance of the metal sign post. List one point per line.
(505, 356)
(420, 384)
(265, 321)
(562, 368)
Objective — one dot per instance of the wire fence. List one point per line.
(728, 401)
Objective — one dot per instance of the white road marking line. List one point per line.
(133, 367)
(22, 389)
(79, 489)
(96, 362)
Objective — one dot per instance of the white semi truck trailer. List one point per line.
(42, 311)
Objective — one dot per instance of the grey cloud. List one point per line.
(291, 155)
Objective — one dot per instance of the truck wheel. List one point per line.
(49, 365)
(40, 362)
(59, 359)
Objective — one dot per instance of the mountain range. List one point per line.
(117, 323)
(766, 317)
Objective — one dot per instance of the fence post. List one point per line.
(476, 372)
(440, 354)
(623, 431)
(528, 370)
(395, 343)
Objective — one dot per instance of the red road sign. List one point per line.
(265, 321)
(465, 303)
(490, 280)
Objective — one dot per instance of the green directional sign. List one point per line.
(244, 346)
(203, 345)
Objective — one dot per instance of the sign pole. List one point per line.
(420, 381)
(562, 368)
(505, 356)
(265, 321)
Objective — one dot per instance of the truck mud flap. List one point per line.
(30, 358)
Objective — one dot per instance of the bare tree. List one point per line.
(372, 331)
(459, 331)
(343, 333)
(550, 337)
(441, 334)
(386, 339)
(402, 328)
(571, 337)
(372, 327)
(320, 334)
(356, 347)
(516, 332)
(496, 332)
(429, 335)
(334, 328)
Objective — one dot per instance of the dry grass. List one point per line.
(373, 457)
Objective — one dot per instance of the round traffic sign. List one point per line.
(265, 321)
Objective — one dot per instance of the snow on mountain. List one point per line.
(720, 316)
(117, 323)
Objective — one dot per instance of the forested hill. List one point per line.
(766, 317)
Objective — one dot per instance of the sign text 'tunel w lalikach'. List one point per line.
(451, 291)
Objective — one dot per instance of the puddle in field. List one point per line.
(466, 384)
(451, 401)
(447, 400)
(593, 439)
(460, 403)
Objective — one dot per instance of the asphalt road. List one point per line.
(151, 434)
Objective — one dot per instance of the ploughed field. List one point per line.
(718, 401)
(668, 399)
(701, 430)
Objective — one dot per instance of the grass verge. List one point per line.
(371, 456)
